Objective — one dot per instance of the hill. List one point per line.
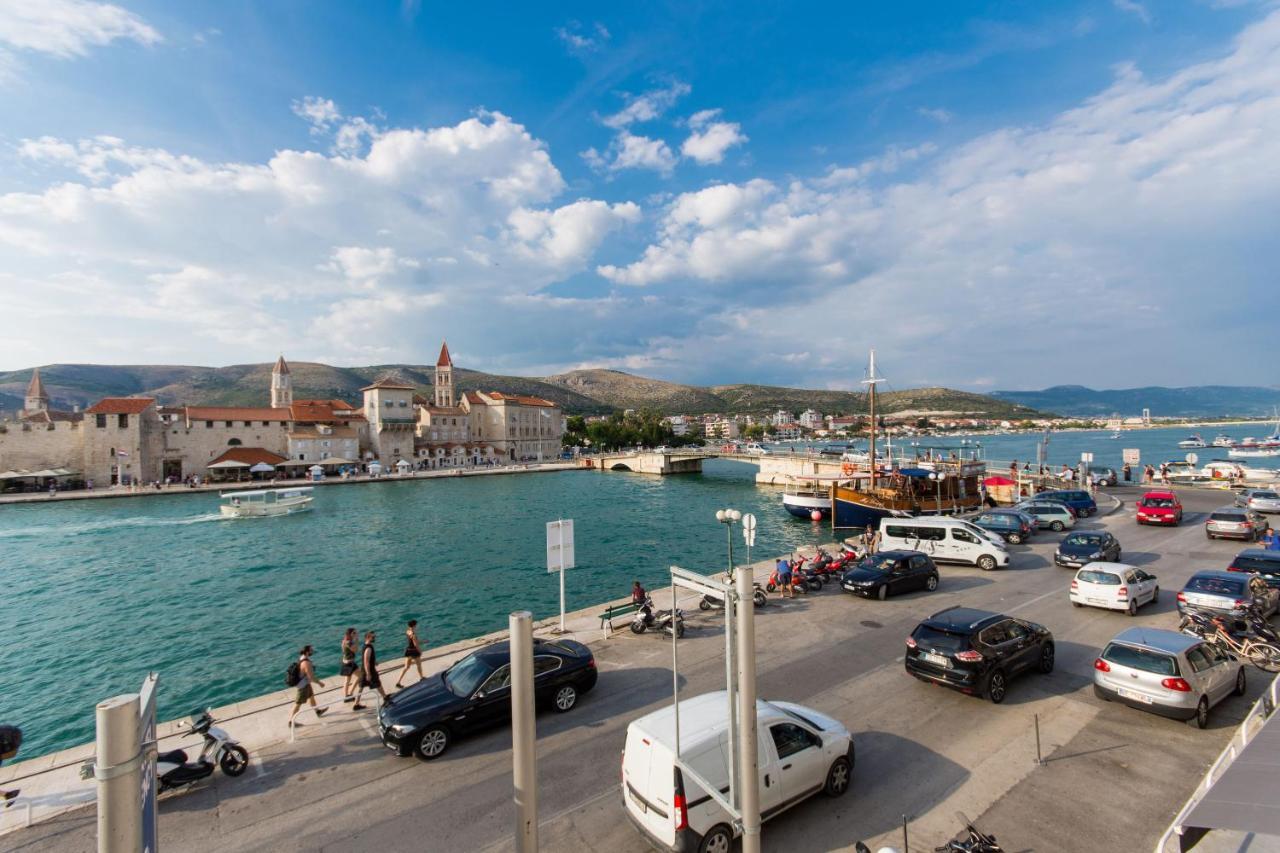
(1200, 401)
(582, 392)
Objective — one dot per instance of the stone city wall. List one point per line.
(34, 447)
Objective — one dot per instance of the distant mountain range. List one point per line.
(577, 392)
(1200, 401)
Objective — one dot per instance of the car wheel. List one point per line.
(1240, 685)
(1155, 596)
(566, 697)
(997, 687)
(1056, 527)
(882, 592)
(432, 743)
(1046, 658)
(1202, 712)
(986, 562)
(1208, 535)
(932, 583)
(1117, 559)
(719, 839)
(1015, 538)
(838, 777)
(1133, 607)
(1076, 604)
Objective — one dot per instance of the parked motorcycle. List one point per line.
(647, 618)
(758, 596)
(800, 582)
(971, 839)
(174, 770)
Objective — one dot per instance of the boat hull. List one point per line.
(803, 506)
(267, 511)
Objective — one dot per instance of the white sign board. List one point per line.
(749, 529)
(1086, 456)
(1193, 458)
(560, 545)
(1131, 456)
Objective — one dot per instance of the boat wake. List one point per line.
(92, 527)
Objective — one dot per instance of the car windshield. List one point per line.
(1227, 516)
(945, 641)
(879, 563)
(1158, 503)
(1103, 578)
(1146, 660)
(1086, 539)
(1269, 496)
(467, 674)
(996, 520)
(1216, 586)
(1256, 564)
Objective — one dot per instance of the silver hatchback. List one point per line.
(1230, 522)
(1167, 673)
(1259, 500)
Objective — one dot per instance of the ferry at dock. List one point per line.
(265, 503)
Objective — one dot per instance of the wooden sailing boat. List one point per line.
(936, 486)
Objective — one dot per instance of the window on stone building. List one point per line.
(208, 424)
(266, 423)
(248, 423)
(235, 442)
(389, 404)
(403, 404)
(100, 421)
(231, 423)
(122, 421)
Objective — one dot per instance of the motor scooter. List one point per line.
(174, 770)
(659, 620)
(758, 596)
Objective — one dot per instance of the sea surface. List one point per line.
(98, 593)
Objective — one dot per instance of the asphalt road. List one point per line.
(1112, 779)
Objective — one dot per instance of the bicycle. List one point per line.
(1264, 656)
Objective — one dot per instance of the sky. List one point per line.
(993, 195)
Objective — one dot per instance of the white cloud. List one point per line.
(629, 151)
(709, 141)
(1150, 187)
(1133, 7)
(581, 40)
(321, 113)
(68, 28)
(346, 257)
(647, 106)
(938, 114)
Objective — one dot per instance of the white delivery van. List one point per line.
(946, 540)
(800, 753)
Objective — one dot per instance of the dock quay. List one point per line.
(922, 751)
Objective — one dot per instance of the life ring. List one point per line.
(847, 469)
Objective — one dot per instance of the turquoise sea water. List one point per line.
(97, 593)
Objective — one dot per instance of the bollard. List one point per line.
(118, 771)
(1039, 760)
(523, 734)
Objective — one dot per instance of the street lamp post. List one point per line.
(937, 489)
(729, 517)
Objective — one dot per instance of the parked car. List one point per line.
(1260, 562)
(755, 449)
(1104, 476)
(1231, 522)
(1014, 527)
(1160, 508)
(1167, 673)
(1259, 500)
(1224, 592)
(888, 573)
(1114, 586)
(945, 540)
(976, 651)
(801, 753)
(475, 693)
(1078, 499)
(1049, 514)
(1087, 546)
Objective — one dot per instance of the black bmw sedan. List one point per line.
(475, 693)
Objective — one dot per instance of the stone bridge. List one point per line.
(776, 469)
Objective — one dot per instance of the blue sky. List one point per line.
(994, 195)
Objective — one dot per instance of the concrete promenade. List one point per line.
(923, 752)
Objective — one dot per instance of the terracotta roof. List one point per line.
(444, 360)
(36, 387)
(474, 399)
(419, 400)
(236, 413)
(522, 400)
(281, 366)
(120, 406)
(389, 382)
(249, 456)
(322, 410)
(446, 410)
(46, 416)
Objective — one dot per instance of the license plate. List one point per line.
(1098, 601)
(936, 660)
(1137, 697)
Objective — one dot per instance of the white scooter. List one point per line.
(175, 771)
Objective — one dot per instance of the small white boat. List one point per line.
(1116, 434)
(264, 503)
(1252, 451)
(1221, 440)
(1179, 471)
(804, 502)
(1192, 441)
(1237, 471)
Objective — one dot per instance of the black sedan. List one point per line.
(889, 572)
(1087, 546)
(475, 693)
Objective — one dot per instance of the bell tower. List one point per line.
(444, 378)
(281, 385)
(36, 400)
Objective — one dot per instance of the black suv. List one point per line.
(977, 652)
(1258, 561)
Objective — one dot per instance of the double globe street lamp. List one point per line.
(729, 517)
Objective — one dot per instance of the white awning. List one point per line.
(336, 460)
(228, 463)
(261, 468)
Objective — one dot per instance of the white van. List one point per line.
(800, 753)
(946, 540)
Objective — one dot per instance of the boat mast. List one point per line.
(870, 382)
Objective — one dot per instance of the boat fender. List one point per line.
(847, 468)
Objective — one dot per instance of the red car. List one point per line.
(1160, 508)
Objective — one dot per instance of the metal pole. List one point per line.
(524, 766)
(748, 763)
(561, 576)
(1039, 760)
(119, 785)
(730, 685)
(675, 670)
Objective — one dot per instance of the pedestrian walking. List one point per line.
(10, 740)
(1126, 471)
(304, 676)
(350, 669)
(369, 678)
(412, 652)
(1164, 473)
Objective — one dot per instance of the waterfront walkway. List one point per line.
(922, 751)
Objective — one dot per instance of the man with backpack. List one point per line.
(301, 674)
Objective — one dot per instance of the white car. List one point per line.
(801, 753)
(756, 449)
(1114, 586)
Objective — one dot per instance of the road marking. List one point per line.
(1032, 601)
(506, 841)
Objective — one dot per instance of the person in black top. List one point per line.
(412, 652)
(369, 672)
(350, 669)
(10, 740)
